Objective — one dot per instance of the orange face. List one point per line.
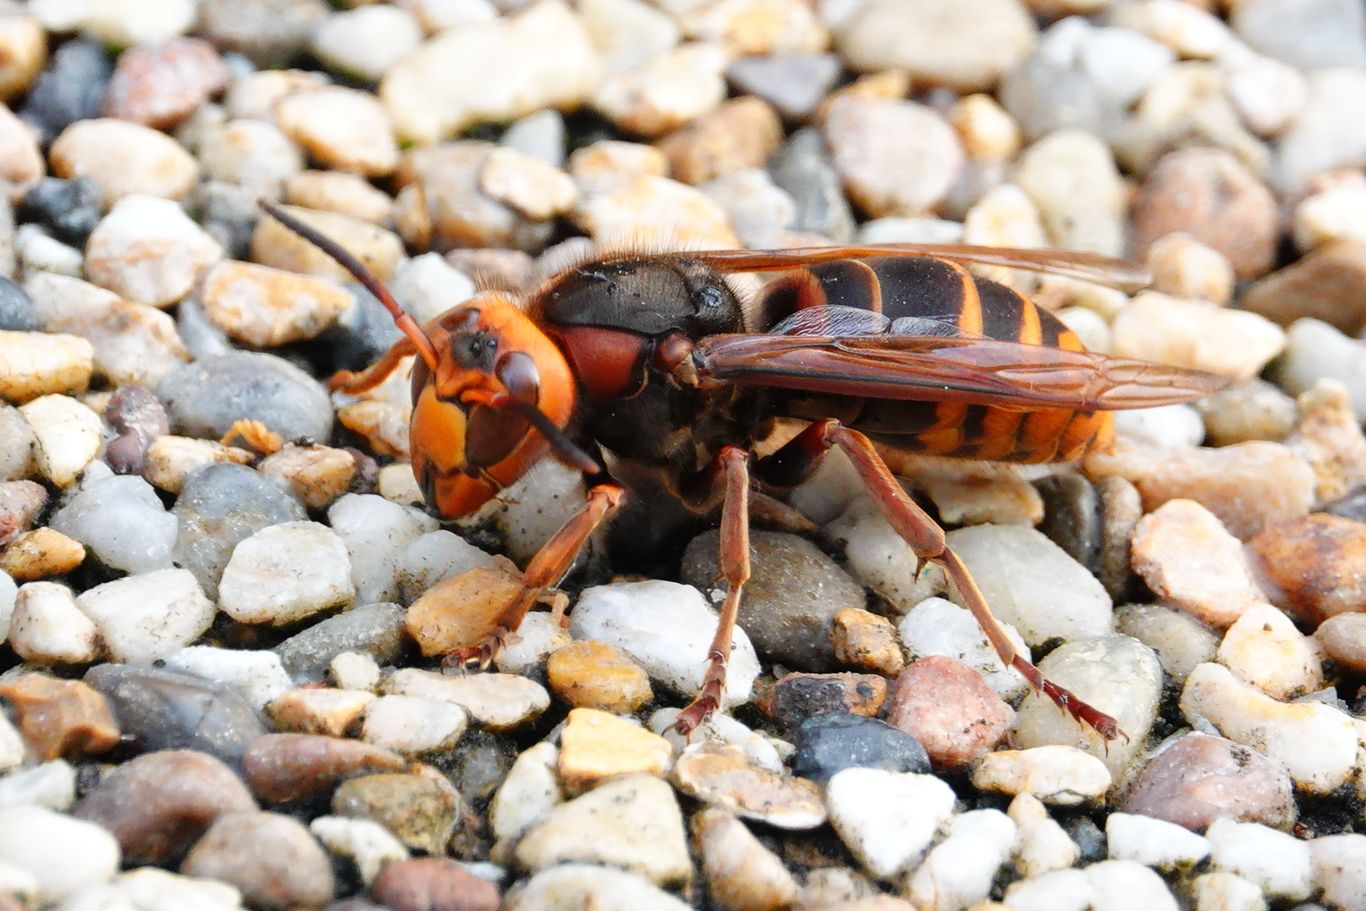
(465, 448)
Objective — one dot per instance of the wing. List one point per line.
(974, 370)
(1090, 267)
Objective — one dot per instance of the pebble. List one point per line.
(887, 819)
(163, 710)
(755, 206)
(436, 557)
(1153, 842)
(266, 307)
(38, 364)
(666, 628)
(41, 553)
(595, 675)
(721, 775)
(987, 132)
(412, 726)
(497, 701)
(627, 34)
(632, 822)
(367, 41)
(378, 249)
(419, 810)
(219, 506)
(832, 741)
(282, 768)
(1185, 268)
(340, 128)
(1196, 334)
(741, 874)
(795, 82)
(600, 165)
(1329, 216)
(366, 844)
(1316, 743)
(596, 746)
(285, 573)
(70, 88)
(1042, 846)
(256, 672)
(1337, 868)
(1072, 177)
(136, 418)
(949, 709)
(572, 886)
(23, 161)
(796, 697)
(337, 191)
(1265, 649)
(351, 671)
(272, 859)
(170, 459)
(63, 855)
(535, 189)
(1311, 565)
(123, 523)
(372, 630)
(801, 166)
(1315, 351)
(249, 153)
(161, 85)
(16, 444)
(25, 49)
(123, 158)
(20, 504)
(1255, 410)
(909, 171)
(270, 32)
(739, 134)
(1180, 641)
(959, 872)
(1320, 286)
(158, 804)
(460, 612)
(654, 210)
(1267, 94)
(939, 627)
(205, 398)
(433, 884)
(1126, 884)
(1281, 865)
(318, 710)
(49, 784)
(1055, 774)
(47, 628)
(667, 92)
(1343, 639)
(791, 599)
(148, 616)
(1330, 440)
(527, 794)
(59, 717)
(867, 641)
(318, 475)
(1226, 891)
(760, 750)
(541, 57)
(1247, 485)
(17, 311)
(376, 533)
(1325, 34)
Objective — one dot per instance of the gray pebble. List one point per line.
(69, 209)
(376, 629)
(206, 397)
(1044, 97)
(17, 312)
(1308, 34)
(71, 88)
(795, 84)
(802, 167)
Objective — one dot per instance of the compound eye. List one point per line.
(517, 372)
(708, 297)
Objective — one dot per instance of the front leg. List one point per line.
(546, 569)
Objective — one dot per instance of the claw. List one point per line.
(477, 657)
(695, 714)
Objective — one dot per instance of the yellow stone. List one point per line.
(596, 745)
(596, 675)
(459, 612)
(863, 639)
(319, 710)
(318, 474)
(40, 554)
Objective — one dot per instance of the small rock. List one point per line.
(802, 167)
(1073, 179)
(205, 398)
(633, 210)
(41, 553)
(47, 628)
(266, 307)
(742, 874)
(25, 51)
(1044, 846)
(793, 82)
(250, 153)
(23, 162)
(263, 581)
(316, 474)
(1264, 649)
(460, 612)
(761, 750)
(669, 91)
(1322, 286)
(528, 792)
(1329, 216)
(1255, 410)
(341, 128)
(60, 717)
(257, 673)
(1325, 34)
(272, 859)
(985, 129)
(596, 746)
(740, 134)
(433, 884)
(722, 776)
(1124, 883)
(161, 85)
(376, 533)
(887, 819)
(497, 701)
(796, 697)
(318, 710)
(1180, 641)
(20, 504)
(420, 810)
(867, 641)
(1311, 565)
(137, 418)
(37, 364)
(908, 171)
(337, 191)
(1316, 743)
(50, 784)
(70, 88)
(412, 726)
(374, 630)
(632, 822)
(158, 804)
(1343, 639)
(1337, 868)
(366, 41)
(939, 627)
(754, 205)
(122, 521)
(1183, 267)
(960, 870)
(1061, 775)
(536, 190)
(1196, 334)
(1316, 351)
(16, 444)
(833, 741)
(124, 158)
(573, 886)
(148, 616)
(63, 855)
(1276, 861)
(367, 844)
(352, 671)
(595, 675)
(949, 709)
(282, 768)
(378, 249)
(1153, 842)
(1330, 440)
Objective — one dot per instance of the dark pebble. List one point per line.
(802, 167)
(17, 311)
(797, 697)
(837, 740)
(158, 804)
(1089, 838)
(480, 763)
(284, 767)
(358, 338)
(376, 629)
(433, 884)
(273, 860)
(205, 398)
(69, 209)
(1072, 516)
(166, 710)
(138, 418)
(70, 88)
(228, 213)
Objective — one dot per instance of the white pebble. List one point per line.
(537, 505)
(51, 785)
(48, 628)
(1153, 842)
(1166, 425)
(528, 792)
(1340, 869)
(413, 726)
(760, 750)
(527, 650)
(376, 533)
(64, 854)
(369, 845)
(427, 286)
(435, 557)
(937, 626)
(1264, 648)
(285, 573)
(11, 746)
(667, 629)
(1061, 890)
(355, 671)
(147, 250)
(366, 41)
(152, 888)
(17, 883)
(1280, 864)
(497, 701)
(1123, 885)
(8, 592)
(66, 436)
(257, 673)
(1042, 846)
(123, 522)
(881, 560)
(1226, 892)
(1061, 775)
(887, 819)
(148, 616)
(959, 871)
(1180, 641)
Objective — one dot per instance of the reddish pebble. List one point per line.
(1314, 566)
(433, 884)
(60, 717)
(1200, 778)
(285, 767)
(1343, 639)
(160, 86)
(949, 708)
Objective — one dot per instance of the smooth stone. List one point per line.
(1197, 335)
(413, 726)
(148, 616)
(574, 886)
(741, 874)
(48, 628)
(419, 810)
(909, 175)
(273, 859)
(318, 475)
(349, 194)
(266, 307)
(1043, 845)
(366, 41)
(1061, 775)
(1153, 842)
(1338, 865)
(867, 641)
(282, 768)
(147, 250)
(352, 671)
(376, 533)
(1315, 351)
(528, 792)
(1198, 778)
(164, 710)
(1180, 641)
(66, 436)
(632, 822)
(1072, 177)
(538, 637)
(366, 844)
(124, 158)
(497, 701)
(960, 870)
(595, 675)
(1124, 884)
(1264, 648)
(60, 717)
(1322, 137)
(1310, 566)
(936, 626)
(340, 128)
(163, 84)
(318, 710)
(50, 784)
(435, 883)
(206, 397)
(160, 803)
(833, 741)
(670, 90)
(262, 582)
(70, 88)
(802, 167)
(63, 854)
(949, 709)
(596, 746)
(1058, 890)
(1318, 286)
(41, 553)
(1279, 863)
(256, 672)
(797, 697)
(123, 523)
(887, 819)
(723, 776)
(371, 629)
(1343, 639)
(269, 32)
(760, 750)
(38, 364)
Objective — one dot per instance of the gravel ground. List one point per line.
(220, 682)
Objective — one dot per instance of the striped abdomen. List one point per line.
(961, 304)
